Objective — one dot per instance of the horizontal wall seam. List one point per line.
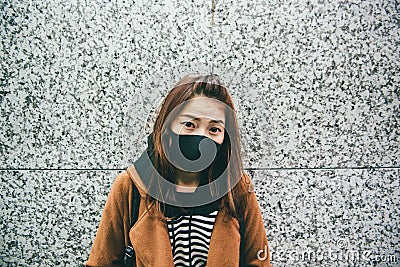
(247, 169)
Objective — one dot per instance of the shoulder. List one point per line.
(126, 179)
(122, 182)
(244, 196)
(121, 188)
(134, 178)
(249, 193)
(247, 185)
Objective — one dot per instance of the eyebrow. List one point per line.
(195, 118)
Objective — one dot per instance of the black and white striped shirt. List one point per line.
(190, 231)
(190, 238)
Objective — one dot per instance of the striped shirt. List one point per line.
(190, 236)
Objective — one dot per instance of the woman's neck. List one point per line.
(187, 179)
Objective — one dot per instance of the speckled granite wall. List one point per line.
(316, 84)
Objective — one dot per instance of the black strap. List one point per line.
(135, 206)
(241, 252)
(129, 257)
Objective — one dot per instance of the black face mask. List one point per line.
(189, 146)
(146, 162)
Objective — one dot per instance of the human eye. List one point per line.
(215, 130)
(188, 124)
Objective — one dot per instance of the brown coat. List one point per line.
(149, 236)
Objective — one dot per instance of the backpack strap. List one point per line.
(135, 205)
(241, 230)
(129, 257)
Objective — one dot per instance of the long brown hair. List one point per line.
(187, 88)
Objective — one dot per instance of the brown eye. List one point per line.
(215, 130)
(188, 124)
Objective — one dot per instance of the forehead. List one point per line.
(204, 107)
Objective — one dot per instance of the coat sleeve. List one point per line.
(112, 234)
(256, 251)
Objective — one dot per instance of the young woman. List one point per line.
(196, 203)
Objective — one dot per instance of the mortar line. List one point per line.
(247, 168)
(212, 36)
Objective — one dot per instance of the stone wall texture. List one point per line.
(316, 88)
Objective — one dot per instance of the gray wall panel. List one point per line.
(316, 88)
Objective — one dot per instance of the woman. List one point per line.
(196, 208)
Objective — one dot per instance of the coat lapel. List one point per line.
(149, 235)
(224, 242)
(150, 239)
